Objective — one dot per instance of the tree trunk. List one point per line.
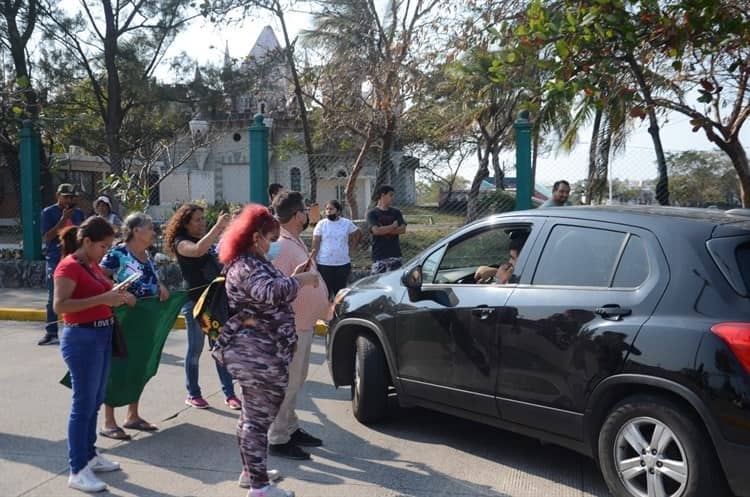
(311, 164)
(499, 173)
(534, 155)
(662, 184)
(736, 152)
(351, 182)
(472, 211)
(17, 44)
(114, 113)
(592, 184)
(602, 161)
(384, 175)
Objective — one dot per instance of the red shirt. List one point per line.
(86, 286)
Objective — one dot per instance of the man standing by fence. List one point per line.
(386, 224)
(560, 194)
(57, 216)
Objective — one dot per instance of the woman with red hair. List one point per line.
(258, 341)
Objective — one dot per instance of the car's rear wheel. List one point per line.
(649, 447)
(370, 387)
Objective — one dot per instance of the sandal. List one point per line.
(115, 433)
(141, 425)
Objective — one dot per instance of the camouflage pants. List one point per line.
(385, 265)
(263, 380)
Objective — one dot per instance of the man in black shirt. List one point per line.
(386, 224)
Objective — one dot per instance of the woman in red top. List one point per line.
(85, 299)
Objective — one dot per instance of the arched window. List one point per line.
(295, 179)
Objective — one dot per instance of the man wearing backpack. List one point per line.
(285, 435)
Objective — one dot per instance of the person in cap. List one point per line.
(103, 208)
(57, 216)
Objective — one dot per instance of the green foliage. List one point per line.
(495, 203)
(287, 146)
(212, 211)
(126, 188)
(429, 192)
(701, 178)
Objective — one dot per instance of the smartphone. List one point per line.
(127, 281)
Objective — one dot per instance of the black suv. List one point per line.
(623, 333)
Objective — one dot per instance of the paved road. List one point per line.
(415, 453)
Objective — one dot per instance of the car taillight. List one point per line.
(737, 336)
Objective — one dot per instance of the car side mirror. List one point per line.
(413, 278)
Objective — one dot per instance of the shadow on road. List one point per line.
(357, 459)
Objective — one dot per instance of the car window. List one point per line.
(578, 256)
(732, 257)
(742, 255)
(485, 248)
(430, 265)
(633, 267)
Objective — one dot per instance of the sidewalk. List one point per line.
(28, 304)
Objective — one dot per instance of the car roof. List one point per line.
(650, 217)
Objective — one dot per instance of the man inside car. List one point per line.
(504, 273)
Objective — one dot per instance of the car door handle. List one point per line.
(483, 312)
(613, 312)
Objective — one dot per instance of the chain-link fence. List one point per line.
(432, 210)
(696, 178)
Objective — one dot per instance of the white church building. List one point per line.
(220, 172)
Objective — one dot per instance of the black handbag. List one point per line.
(211, 310)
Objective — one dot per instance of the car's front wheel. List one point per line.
(370, 388)
(650, 447)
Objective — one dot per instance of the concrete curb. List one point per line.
(12, 314)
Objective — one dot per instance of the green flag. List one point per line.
(146, 327)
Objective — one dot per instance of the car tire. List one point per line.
(676, 455)
(370, 387)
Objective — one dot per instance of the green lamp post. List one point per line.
(258, 133)
(30, 196)
(524, 187)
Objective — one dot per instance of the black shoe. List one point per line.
(288, 451)
(304, 439)
(49, 340)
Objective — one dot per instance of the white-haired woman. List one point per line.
(125, 259)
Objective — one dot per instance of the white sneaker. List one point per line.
(244, 481)
(86, 480)
(100, 464)
(270, 491)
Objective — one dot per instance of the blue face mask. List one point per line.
(273, 251)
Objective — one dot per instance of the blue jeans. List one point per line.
(195, 340)
(88, 353)
(51, 325)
